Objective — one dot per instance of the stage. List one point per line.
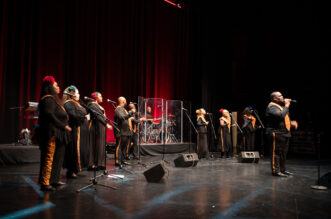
(171, 148)
(217, 188)
(11, 154)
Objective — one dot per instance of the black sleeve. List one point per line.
(121, 115)
(277, 113)
(50, 107)
(97, 114)
(76, 115)
(200, 122)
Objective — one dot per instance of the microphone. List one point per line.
(184, 109)
(209, 114)
(108, 100)
(292, 101)
(69, 94)
(89, 98)
(133, 102)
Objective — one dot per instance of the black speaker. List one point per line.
(155, 173)
(186, 160)
(249, 157)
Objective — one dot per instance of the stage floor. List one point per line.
(219, 188)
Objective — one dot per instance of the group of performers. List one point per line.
(72, 135)
(278, 126)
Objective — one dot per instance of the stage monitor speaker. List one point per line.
(155, 173)
(249, 157)
(186, 160)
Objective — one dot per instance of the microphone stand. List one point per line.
(212, 125)
(318, 186)
(196, 131)
(258, 118)
(262, 142)
(94, 179)
(236, 124)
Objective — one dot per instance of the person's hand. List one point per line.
(287, 102)
(233, 125)
(294, 124)
(88, 117)
(109, 127)
(142, 119)
(67, 128)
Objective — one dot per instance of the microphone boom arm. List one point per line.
(97, 113)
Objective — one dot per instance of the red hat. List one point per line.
(49, 79)
(221, 110)
(94, 95)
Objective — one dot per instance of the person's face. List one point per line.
(76, 95)
(203, 112)
(278, 98)
(99, 98)
(56, 88)
(149, 109)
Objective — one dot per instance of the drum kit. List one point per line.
(156, 130)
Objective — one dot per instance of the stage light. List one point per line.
(177, 3)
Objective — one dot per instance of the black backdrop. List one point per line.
(214, 54)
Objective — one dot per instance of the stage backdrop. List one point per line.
(119, 48)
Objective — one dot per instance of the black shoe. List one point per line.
(279, 174)
(287, 173)
(92, 168)
(71, 175)
(59, 183)
(47, 188)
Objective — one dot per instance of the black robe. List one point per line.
(249, 134)
(77, 115)
(97, 136)
(225, 142)
(202, 141)
(52, 138)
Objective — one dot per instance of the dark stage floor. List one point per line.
(222, 188)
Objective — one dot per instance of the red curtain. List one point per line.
(125, 48)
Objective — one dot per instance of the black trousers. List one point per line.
(121, 146)
(278, 144)
(51, 162)
(134, 148)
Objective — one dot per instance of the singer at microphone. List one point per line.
(278, 131)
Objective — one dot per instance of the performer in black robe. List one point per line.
(97, 128)
(53, 134)
(225, 142)
(202, 138)
(122, 117)
(278, 125)
(249, 128)
(77, 116)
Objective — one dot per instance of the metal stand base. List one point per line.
(95, 182)
(318, 187)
